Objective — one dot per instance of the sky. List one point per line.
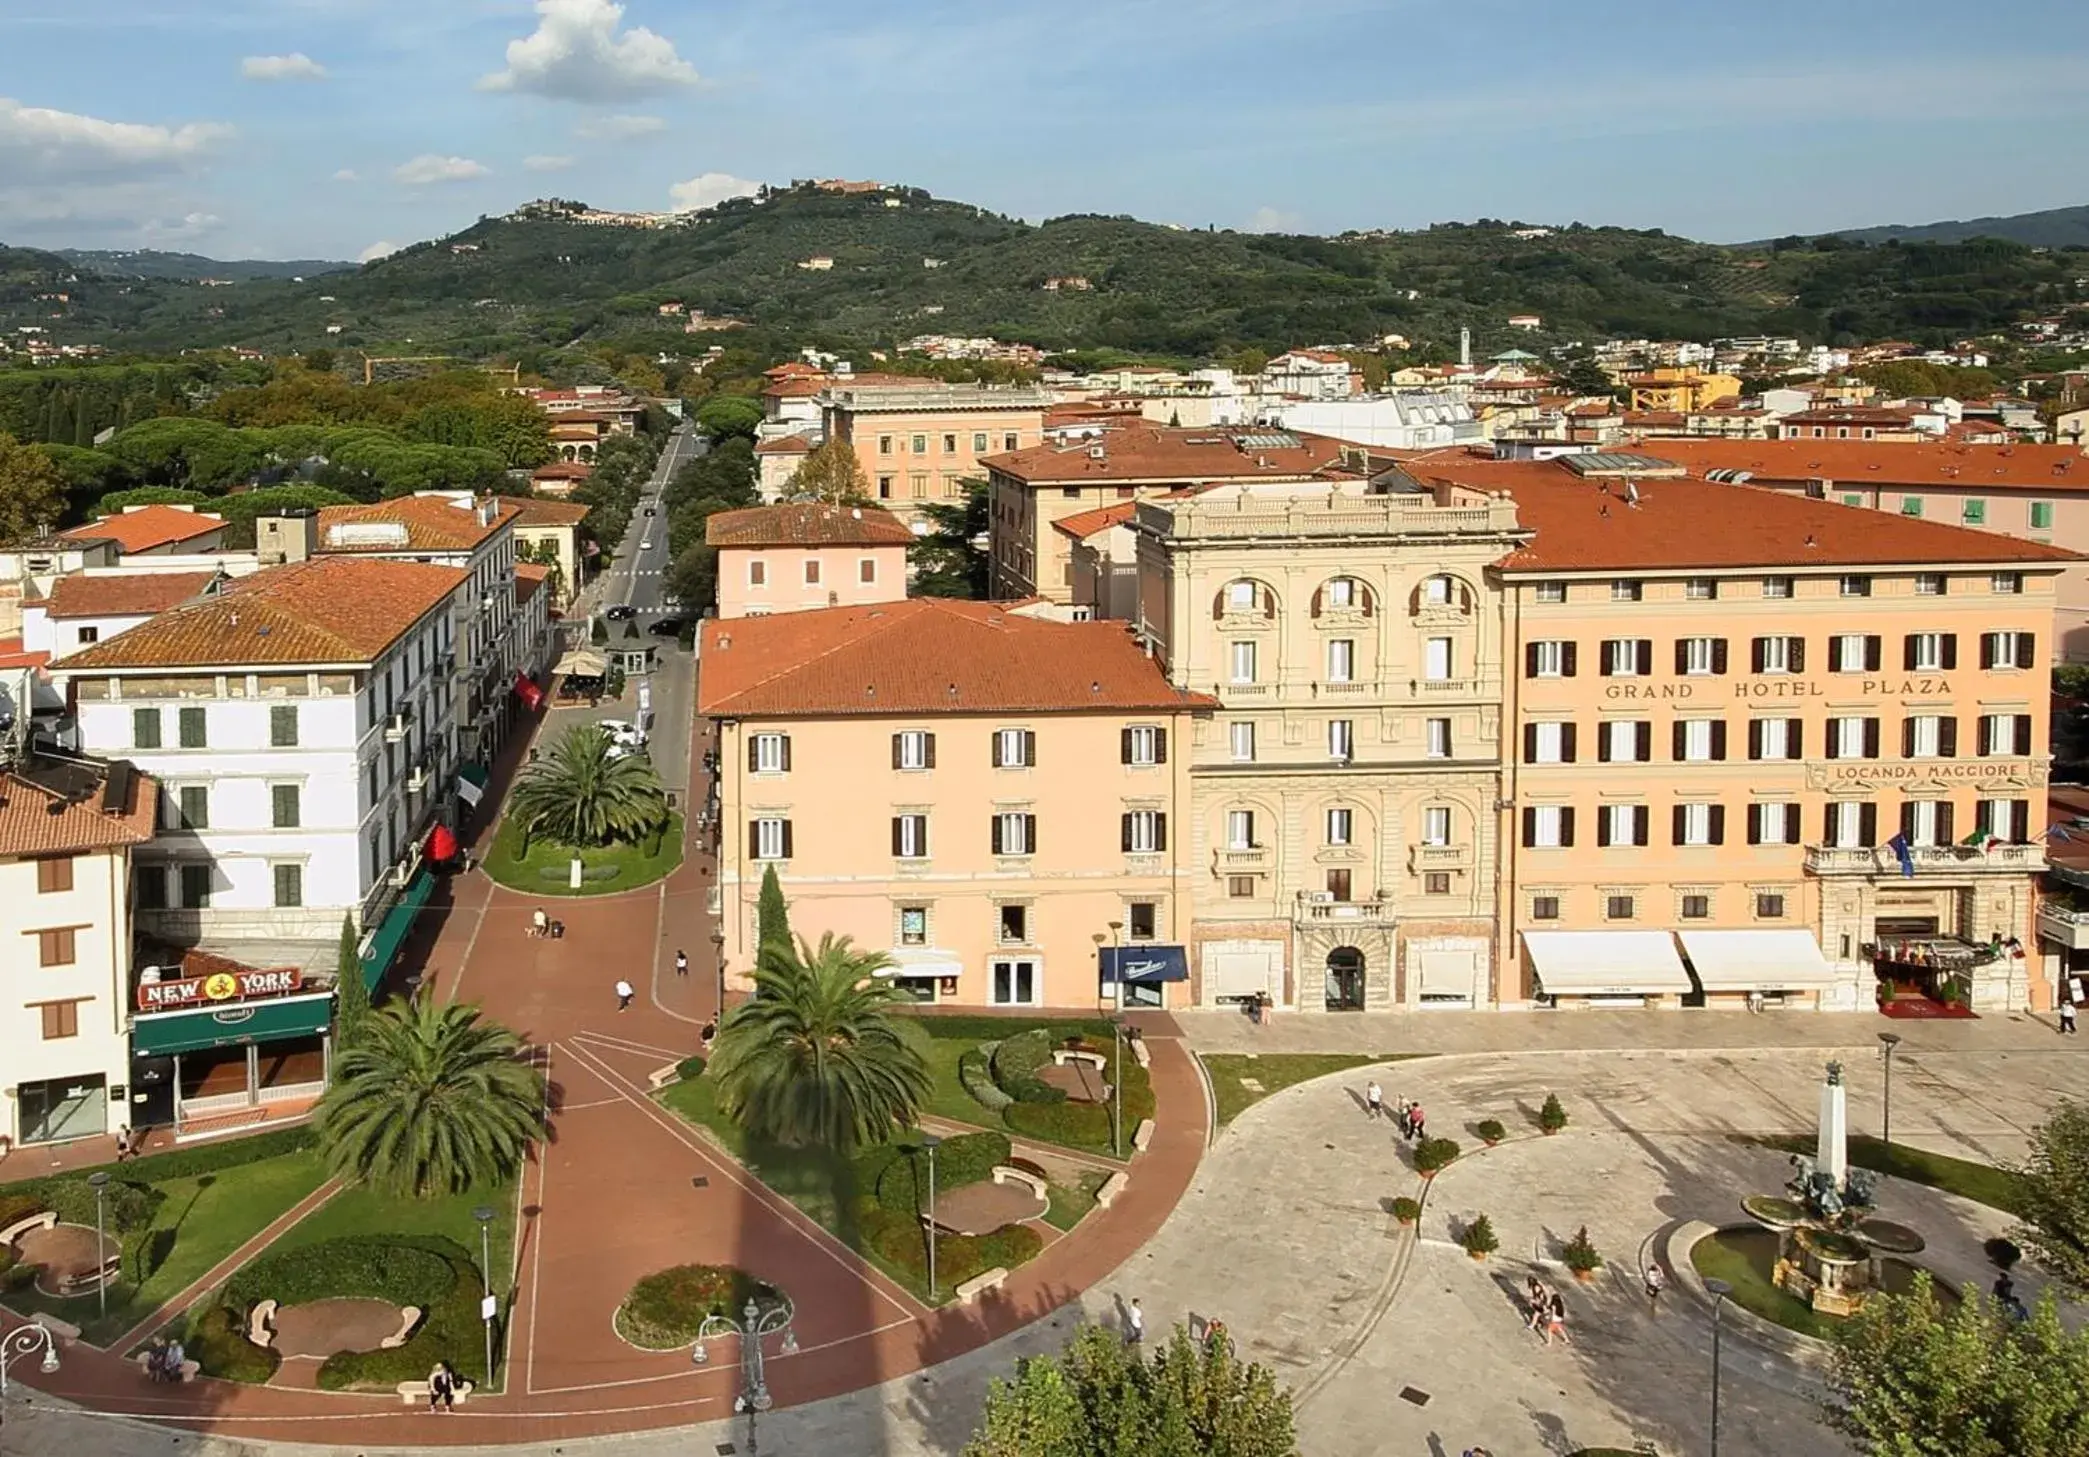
(346, 128)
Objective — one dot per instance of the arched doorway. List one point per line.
(1345, 979)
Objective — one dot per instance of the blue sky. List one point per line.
(334, 128)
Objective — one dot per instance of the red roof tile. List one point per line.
(1084, 524)
(38, 816)
(126, 594)
(786, 445)
(534, 511)
(1887, 462)
(148, 527)
(806, 523)
(1148, 453)
(431, 523)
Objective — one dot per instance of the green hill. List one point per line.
(154, 263)
(505, 287)
(2058, 227)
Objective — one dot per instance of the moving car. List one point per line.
(646, 545)
(620, 612)
(624, 735)
(666, 627)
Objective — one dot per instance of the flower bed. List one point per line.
(666, 1310)
(902, 1182)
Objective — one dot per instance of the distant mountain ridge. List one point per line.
(2055, 227)
(188, 267)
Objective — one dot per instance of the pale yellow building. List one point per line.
(921, 442)
(1686, 390)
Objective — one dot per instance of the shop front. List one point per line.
(53, 1110)
(1758, 969)
(1606, 968)
(224, 1046)
(1138, 976)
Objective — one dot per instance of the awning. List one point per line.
(1605, 963)
(442, 845)
(1241, 973)
(393, 930)
(166, 1033)
(1446, 973)
(1756, 961)
(530, 694)
(923, 961)
(582, 663)
(1144, 963)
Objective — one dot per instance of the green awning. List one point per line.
(167, 1033)
(393, 930)
(476, 772)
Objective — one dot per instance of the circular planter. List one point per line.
(672, 1304)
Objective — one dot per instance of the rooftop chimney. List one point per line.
(289, 535)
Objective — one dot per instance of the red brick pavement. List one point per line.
(612, 1197)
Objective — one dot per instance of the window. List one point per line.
(1973, 511)
(1341, 592)
(1699, 824)
(1699, 740)
(1624, 591)
(145, 728)
(1623, 824)
(195, 887)
(284, 803)
(1911, 505)
(2006, 584)
(920, 444)
(1931, 584)
(1698, 657)
(191, 721)
(1436, 825)
(1240, 738)
(1548, 743)
(1773, 824)
(1775, 738)
(193, 802)
(1008, 441)
(61, 1019)
(1240, 887)
(1142, 920)
(1015, 748)
(1852, 825)
(87, 635)
(769, 754)
(1341, 660)
(1144, 745)
(1544, 908)
(1552, 591)
(1014, 833)
(1926, 822)
(2007, 649)
(1856, 586)
(2006, 819)
(1701, 589)
(1240, 829)
(1015, 983)
(769, 838)
(1436, 660)
(1243, 662)
(1617, 908)
(979, 442)
(1696, 907)
(884, 445)
(913, 925)
(1850, 498)
(1341, 739)
(1241, 596)
(757, 573)
(1853, 652)
(867, 570)
(1779, 654)
(2005, 733)
(812, 571)
(950, 445)
(1769, 906)
(1929, 652)
(56, 948)
(917, 483)
(54, 875)
(1777, 586)
(1144, 832)
(151, 884)
(290, 885)
(1436, 882)
(1340, 825)
(2041, 515)
(1853, 738)
(1436, 591)
(1625, 742)
(884, 488)
(1437, 738)
(282, 726)
(913, 749)
(1547, 827)
(1929, 736)
(1628, 657)
(1548, 660)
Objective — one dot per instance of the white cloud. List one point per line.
(1272, 220)
(709, 189)
(430, 168)
(348, 174)
(193, 225)
(546, 164)
(297, 66)
(576, 54)
(37, 142)
(620, 128)
(376, 251)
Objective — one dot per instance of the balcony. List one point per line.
(1421, 858)
(2063, 921)
(1318, 908)
(1224, 691)
(395, 728)
(1446, 687)
(1929, 859)
(1251, 860)
(1348, 688)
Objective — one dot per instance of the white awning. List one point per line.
(1239, 974)
(1756, 961)
(923, 961)
(1445, 973)
(1605, 963)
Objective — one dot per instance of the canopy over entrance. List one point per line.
(1756, 961)
(1606, 963)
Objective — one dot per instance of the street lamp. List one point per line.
(1117, 1084)
(484, 1214)
(100, 1180)
(1117, 940)
(930, 1141)
(1720, 1290)
(718, 955)
(754, 1323)
(20, 1342)
(1889, 1040)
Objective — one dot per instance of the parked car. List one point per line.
(666, 627)
(623, 734)
(646, 545)
(620, 612)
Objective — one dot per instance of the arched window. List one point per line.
(1244, 597)
(1343, 594)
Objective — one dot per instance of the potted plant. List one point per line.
(1433, 1155)
(1478, 1238)
(1490, 1130)
(1580, 1255)
(1406, 1210)
(1553, 1116)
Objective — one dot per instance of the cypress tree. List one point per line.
(351, 993)
(771, 916)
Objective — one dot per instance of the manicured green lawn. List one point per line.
(948, 1099)
(364, 1211)
(949, 1038)
(542, 870)
(202, 1220)
(1716, 1259)
(1071, 1205)
(1982, 1183)
(1275, 1072)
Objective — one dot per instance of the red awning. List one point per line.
(531, 695)
(442, 845)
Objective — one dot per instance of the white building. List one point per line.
(1406, 420)
(87, 607)
(1312, 374)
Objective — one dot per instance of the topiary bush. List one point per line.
(1490, 1130)
(1580, 1253)
(1016, 1061)
(665, 1310)
(449, 1330)
(126, 1207)
(975, 1075)
(368, 1266)
(903, 1242)
(689, 1069)
(902, 1185)
(1406, 1210)
(1478, 1237)
(1433, 1155)
(1553, 1116)
(217, 1342)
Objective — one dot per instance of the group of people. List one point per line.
(164, 1359)
(1409, 1117)
(543, 927)
(1545, 1311)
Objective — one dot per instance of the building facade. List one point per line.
(807, 555)
(921, 443)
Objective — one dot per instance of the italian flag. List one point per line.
(1981, 840)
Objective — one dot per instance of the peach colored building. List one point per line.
(987, 797)
(921, 441)
(804, 555)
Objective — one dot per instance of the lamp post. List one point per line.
(484, 1214)
(20, 1342)
(754, 1323)
(1889, 1041)
(99, 1179)
(1720, 1290)
(718, 955)
(1117, 1084)
(1117, 941)
(930, 1141)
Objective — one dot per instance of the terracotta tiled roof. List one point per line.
(1682, 523)
(2048, 468)
(30, 826)
(531, 511)
(433, 523)
(126, 594)
(529, 576)
(327, 610)
(12, 654)
(806, 523)
(786, 445)
(560, 470)
(1136, 453)
(1851, 415)
(1084, 524)
(793, 367)
(926, 655)
(148, 527)
(794, 388)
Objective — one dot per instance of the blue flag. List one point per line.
(1899, 846)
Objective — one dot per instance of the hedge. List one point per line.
(1087, 1123)
(126, 1207)
(217, 1342)
(1015, 1064)
(975, 1075)
(904, 1242)
(667, 1309)
(450, 1329)
(902, 1186)
(979, 1028)
(689, 1069)
(205, 1158)
(368, 1266)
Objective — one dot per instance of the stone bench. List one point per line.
(1009, 1174)
(1112, 1187)
(661, 1077)
(415, 1393)
(1142, 1136)
(1139, 1053)
(261, 1324)
(1066, 1056)
(1028, 1166)
(978, 1285)
(190, 1370)
(82, 1281)
(408, 1319)
(13, 1232)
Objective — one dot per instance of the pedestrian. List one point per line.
(123, 1143)
(2067, 1017)
(1656, 1282)
(681, 963)
(177, 1356)
(1400, 1117)
(625, 992)
(1533, 1302)
(1215, 1334)
(1134, 1324)
(540, 922)
(1556, 1320)
(441, 1395)
(1374, 1099)
(1414, 1122)
(156, 1360)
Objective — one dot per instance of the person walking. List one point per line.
(625, 992)
(1656, 1282)
(681, 963)
(1134, 1324)
(123, 1144)
(1374, 1099)
(1415, 1123)
(540, 923)
(2067, 1027)
(1556, 1320)
(1535, 1303)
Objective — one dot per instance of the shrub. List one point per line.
(209, 1158)
(1490, 1130)
(449, 1329)
(978, 1028)
(217, 1342)
(1580, 1254)
(1406, 1210)
(689, 1069)
(2001, 1252)
(665, 1310)
(902, 1186)
(1433, 1155)
(15, 1206)
(975, 1075)
(1015, 1064)
(1078, 1123)
(372, 1266)
(904, 1242)
(1478, 1237)
(126, 1207)
(1552, 1117)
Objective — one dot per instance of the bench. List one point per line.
(1142, 1136)
(661, 1077)
(20, 1227)
(1067, 1055)
(1139, 1053)
(261, 1324)
(978, 1285)
(190, 1370)
(1112, 1187)
(408, 1319)
(1028, 1166)
(82, 1281)
(1009, 1174)
(415, 1393)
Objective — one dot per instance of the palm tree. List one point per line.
(816, 1058)
(431, 1100)
(585, 795)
